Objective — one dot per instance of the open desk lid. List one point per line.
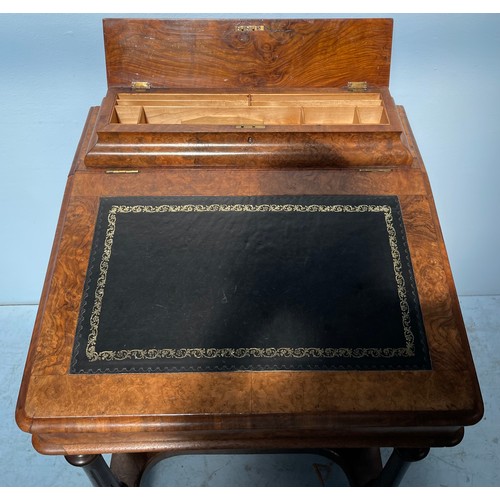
(247, 53)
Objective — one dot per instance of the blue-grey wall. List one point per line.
(445, 72)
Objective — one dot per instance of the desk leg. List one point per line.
(359, 465)
(96, 468)
(362, 466)
(128, 468)
(397, 465)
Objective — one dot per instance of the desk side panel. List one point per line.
(23, 419)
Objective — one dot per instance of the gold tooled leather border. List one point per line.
(268, 352)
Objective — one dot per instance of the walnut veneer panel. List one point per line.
(69, 413)
(142, 412)
(314, 53)
(327, 155)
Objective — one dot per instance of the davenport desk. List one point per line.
(248, 257)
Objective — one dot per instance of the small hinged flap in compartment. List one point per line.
(235, 54)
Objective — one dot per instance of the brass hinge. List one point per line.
(122, 171)
(357, 86)
(140, 86)
(375, 169)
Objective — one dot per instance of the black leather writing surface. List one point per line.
(249, 283)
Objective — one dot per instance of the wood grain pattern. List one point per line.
(312, 53)
(118, 413)
(248, 148)
(377, 142)
(227, 56)
(398, 407)
(271, 438)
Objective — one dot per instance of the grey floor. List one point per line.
(474, 462)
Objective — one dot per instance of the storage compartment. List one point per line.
(250, 109)
(263, 94)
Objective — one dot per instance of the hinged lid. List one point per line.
(232, 54)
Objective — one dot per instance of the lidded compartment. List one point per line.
(249, 93)
(325, 108)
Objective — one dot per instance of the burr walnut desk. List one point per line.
(248, 257)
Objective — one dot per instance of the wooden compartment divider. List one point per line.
(254, 109)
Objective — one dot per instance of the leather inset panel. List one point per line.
(249, 283)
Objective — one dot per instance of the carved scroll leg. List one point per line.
(96, 468)
(397, 465)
